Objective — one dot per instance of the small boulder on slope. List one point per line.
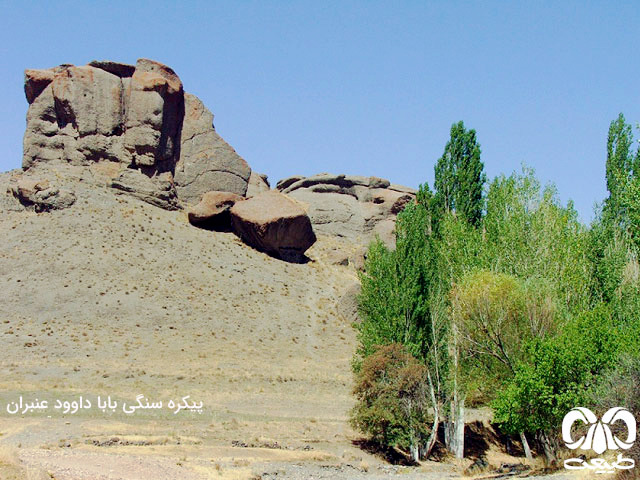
(40, 195)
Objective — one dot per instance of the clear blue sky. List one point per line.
(364, 87)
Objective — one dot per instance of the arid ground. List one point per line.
(116, 297)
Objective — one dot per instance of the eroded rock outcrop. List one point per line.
(213, 210)
(158, 190)
(258, 183)
(350, 206)
(275, 224)
(138, 116)
(206, 162)
(40, 195)
(104, 111)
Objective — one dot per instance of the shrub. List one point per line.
(392, 395)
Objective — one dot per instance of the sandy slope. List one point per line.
(116, 297)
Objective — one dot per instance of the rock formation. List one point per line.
(138, 116)
(207, 162)
(158, 190)
(275, 224)
(349, 206)
(258, 183)
(213, 210)
(161, 146)
(40, 195)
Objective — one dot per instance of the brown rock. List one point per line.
(41, 196)
(154, 116)
(207, 162)
(347, 305)
(35, 81)
(275, 224)
(358, 258)
(385, 230)
(258, 183)
(286, 182)
(27, 187)
(121, 70)
(88, 100)
(130, 115)
(76, 118)
(350, 206)
(213, 210)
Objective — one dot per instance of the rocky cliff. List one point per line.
(136, 127)
(138, 116)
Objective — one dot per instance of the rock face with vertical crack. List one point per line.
(104, 111)
(206, 159)
(137, 116)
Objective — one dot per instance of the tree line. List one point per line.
(497, 295)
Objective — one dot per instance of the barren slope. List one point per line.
(113, 296)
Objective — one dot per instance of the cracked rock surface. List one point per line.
(350, 206)
(138, 116)
(205, 158)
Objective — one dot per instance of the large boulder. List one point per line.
(275, 224)
(207, 162)
(354, 207)
(138, 116)
(213, 210)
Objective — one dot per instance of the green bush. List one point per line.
(392, 398)
(558, 373)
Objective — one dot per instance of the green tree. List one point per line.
(393, 302)
(557, 375)
(459, 176)
(495, 315)
(622, 208)
(396, 303)
(619, 166)
(489, 313)
(529, 234)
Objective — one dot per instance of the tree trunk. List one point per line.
(548, 447)
(448, 432)
(436, 420)
(456, 429)
(525, 446)
(415, 452)
(459, 429)
(433, 436)
(458, 405)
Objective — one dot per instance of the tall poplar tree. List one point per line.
(459, 176)
(619, 166)
(622, 208)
